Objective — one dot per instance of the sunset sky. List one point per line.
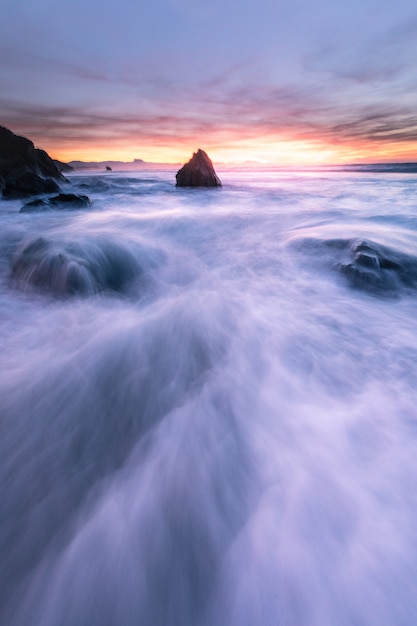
(284, 82)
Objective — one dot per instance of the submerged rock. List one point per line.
(70, 268)
(198, 172)
(378, 269)
(24, 169)
(62, 201)
(366, 265)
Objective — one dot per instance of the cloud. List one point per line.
(380, 126)
(220, 112)
(33, 61)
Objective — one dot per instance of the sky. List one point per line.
(265, 81)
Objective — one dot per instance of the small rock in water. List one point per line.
(378, 269)
(198, 172)
(61, 201)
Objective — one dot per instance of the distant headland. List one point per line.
(136, 164)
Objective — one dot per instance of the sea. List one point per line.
(209, 402)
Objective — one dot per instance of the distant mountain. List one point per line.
(136, 164)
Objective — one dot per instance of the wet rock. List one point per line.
(366, 265)
(198, 172)
(369, 266)
(25, 170)
(61, 201)
(28, 184)
(379, 269)
(71, 268)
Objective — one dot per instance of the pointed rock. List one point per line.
(198, 172)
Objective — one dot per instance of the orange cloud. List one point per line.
(278, 127)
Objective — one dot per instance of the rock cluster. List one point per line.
(198, 172)
(24, 169)
(61, 201)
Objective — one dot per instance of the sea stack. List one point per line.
(198, 172)
(24, 169)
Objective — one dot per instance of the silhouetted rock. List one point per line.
(198, 172)
(28, 184)
(108, 168)
(62, 201)
(24, 169)
(63, 167)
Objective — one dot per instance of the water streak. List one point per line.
(208, 404)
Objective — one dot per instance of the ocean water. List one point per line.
(209, 403)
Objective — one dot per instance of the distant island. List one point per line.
(136, 164)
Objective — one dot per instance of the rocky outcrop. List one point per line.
(24, 169)
(28, 184)
(198, 172)
(61, 201)
(63, 167)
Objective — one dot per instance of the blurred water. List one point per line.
(208, 403)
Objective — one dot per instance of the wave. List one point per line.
(74, 267)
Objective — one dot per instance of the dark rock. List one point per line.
(63, 167)
(198, 172)
(108, 168)
(379, 269)
(61, 201)
(28, 184)
(368, 265)
(74, 267)
(23, 167)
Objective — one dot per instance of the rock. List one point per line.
(24, 169)
(198, 172)
(63, 167)
(28, 184)
(369, 266)
(108, 168)
(61, 201)
(65, 268)
(379, 269)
